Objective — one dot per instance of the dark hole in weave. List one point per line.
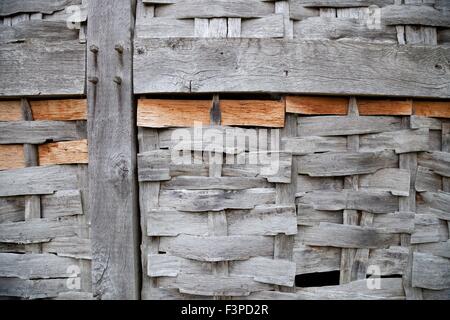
(389, 276)
(320, 279)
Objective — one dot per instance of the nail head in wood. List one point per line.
(117, 80)
(118, 48)
(93, 48)
(93, 80)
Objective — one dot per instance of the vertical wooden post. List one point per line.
(112, 150)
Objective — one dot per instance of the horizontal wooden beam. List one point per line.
(303, 67)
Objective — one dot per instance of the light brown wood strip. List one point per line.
(67, 152)
(317, 105)
(437, 109)
(11, 156)
(154, 113)
(66, 109)
(10, 110)
(368, 107)
(259, 113)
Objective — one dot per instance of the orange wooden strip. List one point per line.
(11, 156)
(370, 107)
(159, 113)
(10, 110)
(436, 109)
(66, 109)
(260, 113)
(317, 105)
(66, 152)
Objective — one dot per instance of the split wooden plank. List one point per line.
(35, 68)
(10, 110)
(428, 228)
(396, 181)
(218, 248)
(69, 152)
(33, 289)
(213, 285)
(402, 141)
(38, 132)
(346, 163)
(61, 203)
(437, 109)
(345, 236)
(308, 216)
(165, 27)
(220, 183)
(166, 265)
(306, 145)
(12, 209)
(298, 12)
(341, 126)
(35, 266)
(430, 272)
(414, 15)
(241, 65)
(372, 107)
(370, 201)
(63, 109)
(399, 222)
(215, 9)
(170, 222)
(12, 156)
(172, 113)
(271, 26)
(311, 105)
(37, 180)
(316, 259)
(392, 261)
(154, 166)
(437, 203)
(427, 180)
(72, 247)
(261, 113)
(419, 122)
(441, 249)
(9, 7)
(37, 29)
(307, 183)
(438, 162)
(216, 200)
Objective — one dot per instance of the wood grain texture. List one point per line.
(10, 110)
(342, 3)
(316, 259)
(37, 29)
(438, 109)
(62, 109)
(430, 272)
(12, 156)
(312, 144)
(68, 152)
(311, 105)
(260, 113)
(241, 65)
(371, 107)
(396, 181)
(9, 7)
(402, 141)
(172, 113)
(414, 15)
(42, 68)
(437, 161)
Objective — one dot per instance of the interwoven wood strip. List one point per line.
(45, 249)
(212, 232)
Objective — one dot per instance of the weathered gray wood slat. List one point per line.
(306, 183)
(430, 272)
(370, 201)
(220, 183)
(42, 68)
(166, 265)
(391, 289)
(345, 236)
(33, 289)
(346, 163)
(38, 132)
(427, 180)
(213, 285)
(162, 27)
(271, 26)
(316, 259)
(72, 247)
(428, 228)
(321, 28)
(346, 125)
(215, 9)
(35, 266)
(12, 209)
(399, 222)
(403, 141)
(241, 65)
(74, 295)
(392, 261)
(37, 231)
(9, 7)
(342, 3)
(61, 203)
(37, 29)
(171, 222)
(418, 122)
(308, 216)
(436, 294)
(216, 200)
(37, 180)
(442, 4)
(113, 194)
(414, 15)
(154, 165)
(396, 181)
(441, 249)
(437, 203)
(219, 248)
(306, 145)
(437, 161)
